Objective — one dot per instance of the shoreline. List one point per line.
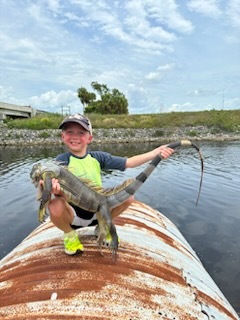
(15, 137)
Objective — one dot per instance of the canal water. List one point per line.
(211, 228)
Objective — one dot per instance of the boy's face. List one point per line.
(76, 138)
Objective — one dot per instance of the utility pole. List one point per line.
(161, 108)
(66, 110)
(223, 99)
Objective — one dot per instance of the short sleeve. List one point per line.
(63, 158)
(108, 161)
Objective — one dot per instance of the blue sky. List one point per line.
(164, 55)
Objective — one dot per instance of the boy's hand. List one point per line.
(165, 151)
(56, 189)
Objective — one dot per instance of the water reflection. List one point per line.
(212, 228)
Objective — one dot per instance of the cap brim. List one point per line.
(81, 123)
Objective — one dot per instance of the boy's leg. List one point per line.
(122, 207)
(61, 214)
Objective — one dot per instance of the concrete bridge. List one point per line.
(16, 111)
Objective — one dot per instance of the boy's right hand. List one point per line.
(56, 189)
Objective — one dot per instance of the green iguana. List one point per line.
(81, 193)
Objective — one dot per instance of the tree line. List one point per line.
(106, 101)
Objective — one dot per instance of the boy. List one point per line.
(77, 135)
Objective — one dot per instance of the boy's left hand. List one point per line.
(166, 152)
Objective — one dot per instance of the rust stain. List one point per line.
(203, 297)
(139, 285)
(121, 221)
(92, 270)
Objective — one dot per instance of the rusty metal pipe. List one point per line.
(157, 275)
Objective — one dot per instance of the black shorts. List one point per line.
(88, 219)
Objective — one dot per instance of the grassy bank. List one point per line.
(217, 120)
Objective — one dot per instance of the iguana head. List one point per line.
(36, 173)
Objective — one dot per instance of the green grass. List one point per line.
(216, 120)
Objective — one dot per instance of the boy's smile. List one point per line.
(76, 138)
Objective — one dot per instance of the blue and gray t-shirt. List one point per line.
(90, 166)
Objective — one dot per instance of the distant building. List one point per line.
(15, 111)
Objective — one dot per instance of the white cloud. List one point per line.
(133, 88)
(137, 23)
(140, 25)
(233, 12)
(50, 48)
(5, 93)
(206, 7)
(36, 13)
(203, 92)
(166, 14)
(160, 72)
(51, 100)
(187, 106)
(54, 5)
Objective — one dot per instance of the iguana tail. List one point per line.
(121, 193)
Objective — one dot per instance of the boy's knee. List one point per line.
(130, 200)
(122, 207)
(56, 206)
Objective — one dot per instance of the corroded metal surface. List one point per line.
(157, 276)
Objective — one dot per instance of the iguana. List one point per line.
(94, 199)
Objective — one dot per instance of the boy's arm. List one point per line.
(140, 159)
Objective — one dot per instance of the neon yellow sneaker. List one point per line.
(72, 244)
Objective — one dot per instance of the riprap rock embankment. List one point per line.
(12, 137)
